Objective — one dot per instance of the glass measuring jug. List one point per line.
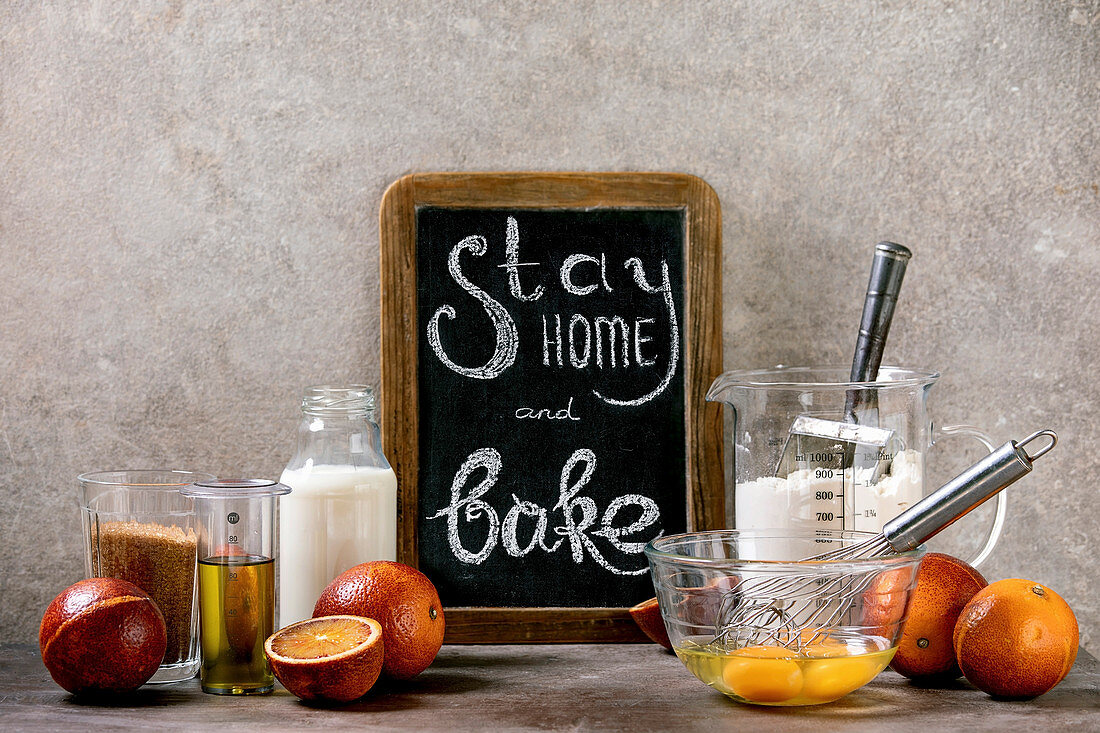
(783, 480)
(238, 547)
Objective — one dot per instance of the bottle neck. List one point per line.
(337, 429)
(337, 440)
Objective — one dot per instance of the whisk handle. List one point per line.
(965, 492)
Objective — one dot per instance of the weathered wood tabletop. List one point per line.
(555, 687)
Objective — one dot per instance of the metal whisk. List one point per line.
(797, 610)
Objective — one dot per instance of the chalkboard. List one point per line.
(541, 404)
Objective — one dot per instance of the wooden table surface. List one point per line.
(629, 687)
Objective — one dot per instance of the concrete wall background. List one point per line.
(189, 196)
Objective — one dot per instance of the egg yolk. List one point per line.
(763, 674)
(828, 679)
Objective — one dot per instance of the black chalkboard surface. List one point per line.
(553, 431)
(551, 402)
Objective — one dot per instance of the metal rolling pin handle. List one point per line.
(960, 495)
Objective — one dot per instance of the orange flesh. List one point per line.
(320, 638)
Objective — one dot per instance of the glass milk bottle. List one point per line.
(343, 510)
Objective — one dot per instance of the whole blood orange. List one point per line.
(405, 604)
(885, 600)
(944, 585)
(647, 615)
(102, 634)
(336, 658)
(1016, 639)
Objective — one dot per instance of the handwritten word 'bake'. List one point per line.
(577, 341)
(467, 507)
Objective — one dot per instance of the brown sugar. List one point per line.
(161, 561)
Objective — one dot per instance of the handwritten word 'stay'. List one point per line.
(582, 340)
(466, 508)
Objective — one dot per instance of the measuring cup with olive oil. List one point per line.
(237, 554)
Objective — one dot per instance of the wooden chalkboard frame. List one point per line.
(702, 355)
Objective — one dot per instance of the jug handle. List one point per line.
(969, 431)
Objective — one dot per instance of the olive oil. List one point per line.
(769, 675)
(237, 601)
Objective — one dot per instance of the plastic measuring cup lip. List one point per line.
(772, 377)
(235, 489)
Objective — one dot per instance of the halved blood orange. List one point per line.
(337, 658)
(647, 615)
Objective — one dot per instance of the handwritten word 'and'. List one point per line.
(576, 341)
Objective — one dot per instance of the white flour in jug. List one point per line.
(815, 499)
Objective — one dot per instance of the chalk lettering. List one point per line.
(529, 413)
(546, 342)
(574, 358)
(574, 530)
(612, 335)
(639, 339)
(569, 500)
(648, 516)
(665, 289)
(538, 537)
(475, 508)
(507, 338)
(572, 261)
(512, 263)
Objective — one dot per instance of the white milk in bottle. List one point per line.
(343, 507)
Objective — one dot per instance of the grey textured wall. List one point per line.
(189, 197)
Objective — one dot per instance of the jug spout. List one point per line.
(723, 387)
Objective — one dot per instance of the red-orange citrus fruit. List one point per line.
(944, 585)
(332, 658)
(405, 604)
(700, 606)
(1016, 639)
(885, 600)
(647, 615)
(102, 635)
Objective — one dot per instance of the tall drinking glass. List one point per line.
(138, 527)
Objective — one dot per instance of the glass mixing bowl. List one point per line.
(746, 616)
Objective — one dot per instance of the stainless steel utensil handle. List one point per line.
(963, 493)
(887, 271)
